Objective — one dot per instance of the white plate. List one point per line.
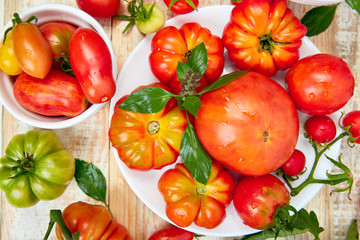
(317, 2)
(136, 72)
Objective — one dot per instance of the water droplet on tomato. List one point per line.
(28, 52)
(312, 96)
(254, 205)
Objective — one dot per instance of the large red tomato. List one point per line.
(250, 125)
(256, 199)
(171, 45)
(320, 84)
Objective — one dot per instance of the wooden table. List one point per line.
(89, 140)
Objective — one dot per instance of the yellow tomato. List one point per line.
(8, 62)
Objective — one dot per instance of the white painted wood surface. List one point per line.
(89, 140)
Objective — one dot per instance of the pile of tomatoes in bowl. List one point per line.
(58, 66)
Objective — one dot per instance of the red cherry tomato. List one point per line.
(320, 129)
(256, 199)
(295, 164)
(320, 84)
(99, 8)
(353, 119)
(181, 6)
(172, 233)
(91, 62)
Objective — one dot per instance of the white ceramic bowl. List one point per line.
(317, 2)
(47, 13)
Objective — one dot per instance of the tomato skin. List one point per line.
(181, 6)
(91, 62)
(154, 23)
(189, 201)
(8, 62)
(140, 148)
(320, 84)
(32, 51)
(320, 129)
(353, 119)
(58, 94)
(172, 233)
(93, 222)
(171, 45)
(295, 164)
(35, 167)
(58, 34)
(251, 119)
(252, 20)
(256, 199)
(99, 8)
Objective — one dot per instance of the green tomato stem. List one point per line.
(56, 217)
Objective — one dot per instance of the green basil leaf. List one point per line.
(198, 59)
(352, 233)
(147, 100)
(90, 180)
(194, 156)
(318, 19)
(192, 104)
(181, 70)
(223, 81)
(354, 4)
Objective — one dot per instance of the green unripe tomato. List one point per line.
(35, 167)
(154, 23)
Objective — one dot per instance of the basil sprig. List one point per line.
(153, 99)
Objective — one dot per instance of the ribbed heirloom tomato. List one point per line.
(263, 36)
(171, 45)
(148, 141)
(250, 125)
(189, 201)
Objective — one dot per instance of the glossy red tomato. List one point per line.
(189, 201)
(92, 222)
(58, 94)
(353, 119)
(320, 84)
(58, 35)
(172, 233)
(256, 199)
(295, 164)
(250, 125)
(31, 50)
(263, 36)
(99, 8)
(171, 45)
(91, 62)
(181, 6)
(320, 129)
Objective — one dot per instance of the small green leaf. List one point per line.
(318, 19)
(223, 81)
(181, 70)
(198, 60)
(194, 156)
(192, 104)
(90, 180)
(147, 100)
(352, 233)
(354, 4)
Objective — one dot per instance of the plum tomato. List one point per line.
(182, 6)
(172, 233)
(295, 164)
(320, 129)
(353, 119)
(250, 125)
(91, 62)
(58, 35)
(256, 199)
(320, 84)
(99, 9)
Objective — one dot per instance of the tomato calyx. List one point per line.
(153, 127)
(266, 135)
(65, 64)
(266, 43)
(201, 190)
(24, 165)
(17, 20)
